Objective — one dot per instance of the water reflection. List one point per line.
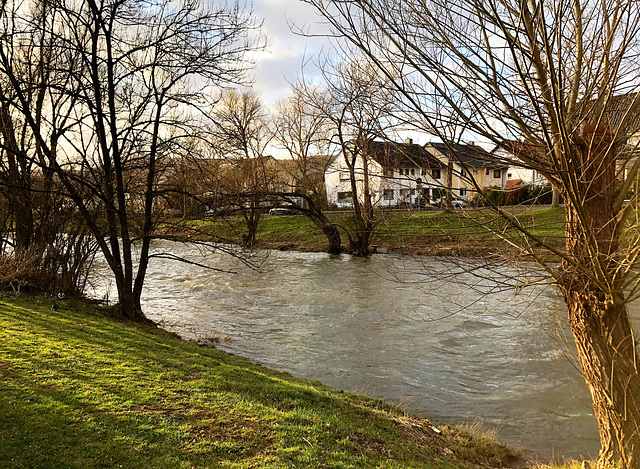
(348, 322)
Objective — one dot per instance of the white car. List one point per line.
(455, 203)
(282, 211)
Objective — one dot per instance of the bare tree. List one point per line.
(131, 81)
(304, 133)
(242, 134)
(303, 130)
(36, 210)
(561, 75)
(356, 105)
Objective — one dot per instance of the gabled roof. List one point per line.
(468, 155)
(318, 163)
(617, 108)
(520, 152)
(402, 155)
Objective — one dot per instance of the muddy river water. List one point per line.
(405, 329)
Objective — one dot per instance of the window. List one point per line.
(400, 171)
(406, 193)
(344, 175)
(413, 171)
(463, 173)
(344, 196)
(435, 173)
(463, 192)
(423, 172)
(496, 173)
(475, 171)
(387, 194)
(486, 172)
(387, 172)
(509, 175)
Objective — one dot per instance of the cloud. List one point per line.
(281, 63)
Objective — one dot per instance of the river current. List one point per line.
(408, 330)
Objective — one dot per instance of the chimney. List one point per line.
(409, 141)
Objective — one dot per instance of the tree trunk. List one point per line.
(333, 237)
(252, 219)
(359, 242)
(555, 197)
(18, 182)
(314, 212)
(21, 206)
(596, 301)
(130, 307)
(607, 356)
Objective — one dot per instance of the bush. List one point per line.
(524, 194)
(57, 256)
(492, 194)
(536, 195)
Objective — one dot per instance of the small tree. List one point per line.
(242, 134)
(356, 105)
(303, 130)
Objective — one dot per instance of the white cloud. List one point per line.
(281, 63)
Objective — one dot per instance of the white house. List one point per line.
(398, 173)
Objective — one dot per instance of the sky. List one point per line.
(281, 62)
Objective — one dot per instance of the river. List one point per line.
(436, 344)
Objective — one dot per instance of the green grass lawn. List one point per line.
(79, 389)
(475, 230)
(411, 230)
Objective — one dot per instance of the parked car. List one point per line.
(282, 211)
(455, 203)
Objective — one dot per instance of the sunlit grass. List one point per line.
(78, 389)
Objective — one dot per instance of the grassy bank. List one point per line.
(464, 232)
(78, 389)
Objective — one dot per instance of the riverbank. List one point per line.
(80, 389)
(468, 233)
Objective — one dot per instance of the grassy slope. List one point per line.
(78, 389)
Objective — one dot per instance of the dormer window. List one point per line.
(435, 173)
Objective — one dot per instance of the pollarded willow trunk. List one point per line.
(329, 229)
(608, 359)
(360, 243)
(333, 237)
(596, 300)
